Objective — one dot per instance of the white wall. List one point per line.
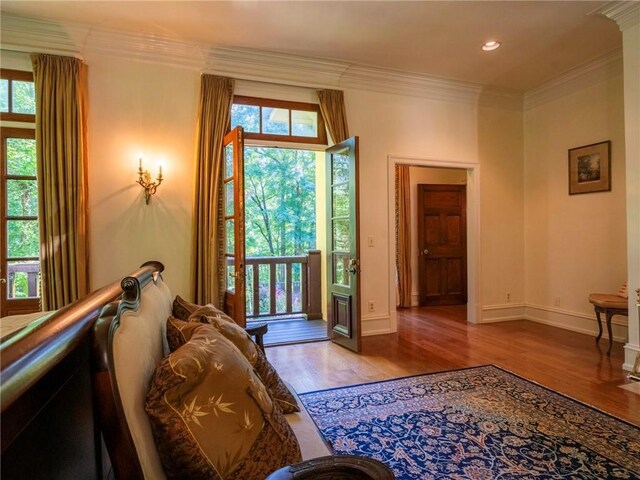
(574, 244)
(418, 176)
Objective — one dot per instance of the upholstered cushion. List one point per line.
(606, 300)
(182, 309)
(211, 415)
(178, 332)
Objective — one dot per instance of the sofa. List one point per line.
(129, 342)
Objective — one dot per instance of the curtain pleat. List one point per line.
(61, 145)
(334, 113)
(403, 235)
(216, 97)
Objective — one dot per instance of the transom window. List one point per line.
(17, 96)
(278, 120)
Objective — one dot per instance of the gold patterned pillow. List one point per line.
(181, 309)
(211, 415)
(242, 340)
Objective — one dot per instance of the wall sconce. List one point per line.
(144, 180)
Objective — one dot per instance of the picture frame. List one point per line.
(590, 168)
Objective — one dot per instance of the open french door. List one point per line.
(343, 259)
(233, 210)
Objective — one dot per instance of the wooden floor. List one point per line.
(434, 339)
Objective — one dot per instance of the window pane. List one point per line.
(275, 121)
(340, 165)
(231, 275)
(22, 238)
(228, 210)
(230, 234)
(24, 97)
(228, 161)
(23, 279)
(340, 265)
(22, 198)
(21, 156)
(4, 95)
(341, 235)
(247, 116)
(340, 200)
(304, 124)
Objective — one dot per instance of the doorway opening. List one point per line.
(447, 268)
(283, 243)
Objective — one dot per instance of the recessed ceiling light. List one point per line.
(491, 45)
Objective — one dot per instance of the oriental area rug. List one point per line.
(477, 423)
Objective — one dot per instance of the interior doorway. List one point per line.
(430, 171)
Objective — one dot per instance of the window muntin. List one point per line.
(278, 120)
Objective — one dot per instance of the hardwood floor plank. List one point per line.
(434, 339)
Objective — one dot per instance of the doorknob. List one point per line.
(3, 280)
(426, 252)
(353, 266)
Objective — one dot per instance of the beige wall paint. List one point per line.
(500, 139)
(418, 176)
(405, 127)
(140, 107)
(574, 244)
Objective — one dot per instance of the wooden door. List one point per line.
(19, 240)
(442, 244)
(343, 260)
(233, 209)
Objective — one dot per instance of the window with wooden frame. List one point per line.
(17, 96)
(278, 120)
(19, 241)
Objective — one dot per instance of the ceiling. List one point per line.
(540, 39)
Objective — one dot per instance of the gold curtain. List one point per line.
(214, 113)
(334, 114)
(61, 145)
(403, 235)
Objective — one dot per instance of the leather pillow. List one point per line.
(211, 415)
(179, 332)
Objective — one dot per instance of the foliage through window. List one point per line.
(282, 121)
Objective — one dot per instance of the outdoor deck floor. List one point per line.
(294, 330)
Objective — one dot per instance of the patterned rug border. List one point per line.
(472, 368)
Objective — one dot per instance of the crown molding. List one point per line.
(38, 36)
(274, 67)
(625, 14)
(583, 76)
(415, 85)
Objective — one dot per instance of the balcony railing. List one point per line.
(23, 280)
(279, 286)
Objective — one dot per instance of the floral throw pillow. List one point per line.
(211, 415)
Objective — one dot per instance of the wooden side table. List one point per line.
(335, 467)
(258, 330)
(610, 305)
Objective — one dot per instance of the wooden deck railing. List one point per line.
(278, 286)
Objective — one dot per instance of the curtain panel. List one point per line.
(403, 235)
(214, 114)
(61, 145)
(334, 113)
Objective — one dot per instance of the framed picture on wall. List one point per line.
(590, 168)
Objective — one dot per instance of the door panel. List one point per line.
(442, 248)
(233, 208)
(343, 260)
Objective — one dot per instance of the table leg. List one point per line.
(609, 316)
(599, 326)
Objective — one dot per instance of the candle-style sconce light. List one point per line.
(144, 180)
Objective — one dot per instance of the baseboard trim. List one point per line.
(575, 321)
(502, 313)
(376, 325)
